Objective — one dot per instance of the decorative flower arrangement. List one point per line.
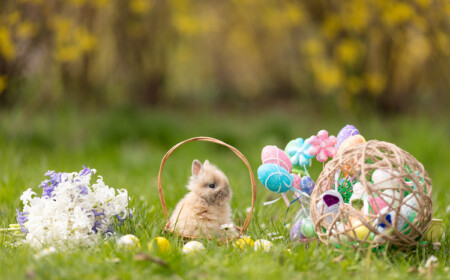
(70, 210)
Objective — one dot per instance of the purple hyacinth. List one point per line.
(22, 219)
(86, 171)
(49, 185)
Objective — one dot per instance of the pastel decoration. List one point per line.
(322, 146)
(329, 204)
(340, 231)
(389, 219)
(192, 247)
(391, 197)
(272, 154)
(307, 228)
(358, 188)
(159, 244)
(346, 132)
(297, 150)
(129, 242)
(244, 243)
(296, 181)
(350, 142)
(262, 244)
(377, 204)
(296, 231)
(307, 185)
(275, 178)
(386, 179)
(357, 229)
(409, 207)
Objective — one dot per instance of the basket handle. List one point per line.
(213, 140)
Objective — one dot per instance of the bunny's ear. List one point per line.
(196, 166)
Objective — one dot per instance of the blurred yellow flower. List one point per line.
(13, 18)
(331, 26)
(312, 47)
(328, 75)
(186, 24)
(140, 7)
(349, 51)
(67, 53)
(354, 85)
(375, 82)
(3, 83)
(395, 13)
(7, 47)
(26, 30)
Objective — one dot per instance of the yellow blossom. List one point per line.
(139, 7)
(349, 51)
(7, 47)
(3, 83)
(25, 30)
(375, 82)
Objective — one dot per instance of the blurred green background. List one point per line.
(356, 55)
(114, 84)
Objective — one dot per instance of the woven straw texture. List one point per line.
(406, 205)
(235, 151)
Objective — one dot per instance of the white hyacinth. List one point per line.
(71, 211)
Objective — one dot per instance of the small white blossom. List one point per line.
(431, 259)
(226, 226)
(45, 252)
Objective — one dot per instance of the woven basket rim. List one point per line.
(216, 141)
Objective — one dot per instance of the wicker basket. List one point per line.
(234, 150)
(399, 209)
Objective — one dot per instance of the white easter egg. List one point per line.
(385, 179)
(262, 244)
(358, 188)
(129, 241)
(193, 247)
(391, 197)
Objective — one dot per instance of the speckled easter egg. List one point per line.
(274, 177)
(296, 231)
(386, 179)
(346, 132)
(350, 142)
(296, 181)
(307, 185)
(274, 155)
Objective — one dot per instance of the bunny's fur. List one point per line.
(204, 209)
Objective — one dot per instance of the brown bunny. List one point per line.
(206, 207)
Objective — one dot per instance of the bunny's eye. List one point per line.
(212, 186)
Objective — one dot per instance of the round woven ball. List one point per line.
(406, 202)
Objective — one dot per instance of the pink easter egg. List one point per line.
(296, 181)
(274, 155)
(377, 204)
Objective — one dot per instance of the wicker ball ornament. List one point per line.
(394, 193)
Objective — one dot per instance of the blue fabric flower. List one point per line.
(297, 150)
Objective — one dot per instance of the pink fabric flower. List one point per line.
(322, 146)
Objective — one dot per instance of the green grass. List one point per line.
(126, 148)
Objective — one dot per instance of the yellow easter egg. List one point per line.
(160, 244)
(244, 243)
(359, 231)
